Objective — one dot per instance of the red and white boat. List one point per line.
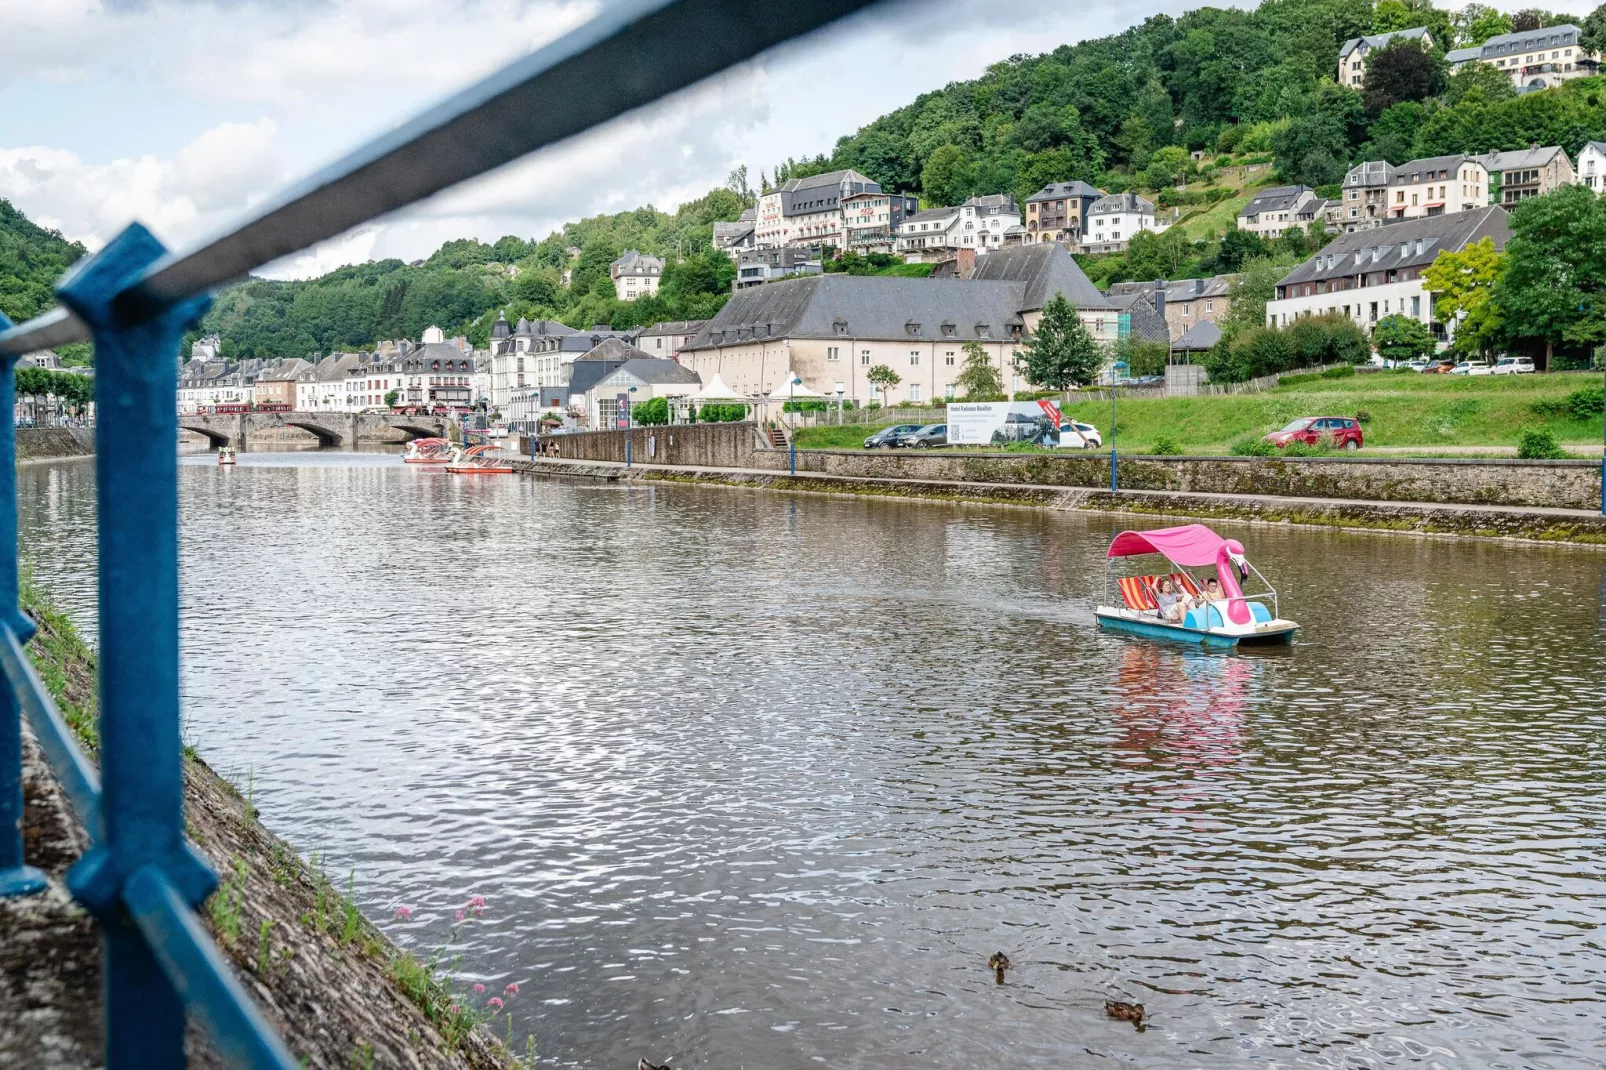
(428, 451)
(477, 461)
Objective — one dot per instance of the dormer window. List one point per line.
(840, 325)
(948, 330)
(981, 330)
(912, 329)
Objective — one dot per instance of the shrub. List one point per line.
(1362, 416)
(1550, 407)
(807, 405)
(1253, 445)
(722, 414)
(1165, 446)
(1538, 444)
(1300, 449)
(1341, 372)
(1586, 403)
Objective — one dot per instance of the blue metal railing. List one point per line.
(140, 878)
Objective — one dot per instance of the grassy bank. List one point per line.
(339, 992)
(1403, 409)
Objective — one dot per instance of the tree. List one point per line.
(1401, 70)
(1476, 23)
(1593, 37)
(1401, 338)
(946, 177)
(978, 378)
(650, 413)
(883, 379)
(1237, 247)
(1463, 284)
(1249, 293)
(1062, 351)
(1477, 82)
(391, 397)
(1554, 287)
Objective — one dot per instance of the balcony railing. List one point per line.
(140, 878)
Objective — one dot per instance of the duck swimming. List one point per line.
(645, 1065)
(1124, 1012)
(998, 963)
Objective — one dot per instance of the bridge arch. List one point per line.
(214, 438)
(326, 437)
(420, 431)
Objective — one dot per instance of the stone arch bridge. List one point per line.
(333, 429)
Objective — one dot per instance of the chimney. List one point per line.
(1159, 297)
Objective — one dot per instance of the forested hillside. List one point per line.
(1254, 91)
(31, 259)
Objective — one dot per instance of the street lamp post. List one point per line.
(791, 403)
(841, 388)
(1114, 484)
(632, 390)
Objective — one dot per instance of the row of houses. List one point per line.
(849, 211)
(1533, 59)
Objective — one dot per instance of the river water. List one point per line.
(760, 781)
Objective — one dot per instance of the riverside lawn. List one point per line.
(1403, 410)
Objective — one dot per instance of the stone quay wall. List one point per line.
(1482, 481)
(50, 443)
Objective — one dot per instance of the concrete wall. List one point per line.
(42, 443)
(1553, 484)
(692, 445)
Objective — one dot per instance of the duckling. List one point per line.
(1125, 1012)
(645, 1065)
(998, 963)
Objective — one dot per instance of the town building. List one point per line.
(1144, 309)
(1532, 59)
(872, 220)
(553, 355)
(1592, 165)
(758, 266)
(1371, 274)
(732, 238)
(1056, 212)
(1111, 221)
(650, 378)
(1185, 302)
(1364, 202)
(1527, 173)
(635, 275)
(206, 348)
(512, 355)
(322, 387)
(978, 225)
(435, 374)
(833, 329)
(1352, 55)
(808, 211)
(668, 338)
(1437, 185)
(1274, 210)
(574, 378)
(276, 385)
(205, 383)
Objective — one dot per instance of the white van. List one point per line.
(1514, 366)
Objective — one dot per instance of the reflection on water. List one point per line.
(762, 781)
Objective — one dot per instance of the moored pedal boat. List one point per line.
(1226, 619)
(476, 461)
(427, 451)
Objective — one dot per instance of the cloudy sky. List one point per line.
(183, 113)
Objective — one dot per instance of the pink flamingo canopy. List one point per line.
(1191, 545)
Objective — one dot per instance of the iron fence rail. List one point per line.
(140, 878)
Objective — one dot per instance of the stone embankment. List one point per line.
(1540, 500)
(54, 443)
(339, 992)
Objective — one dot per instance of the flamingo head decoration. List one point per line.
(1231, 567)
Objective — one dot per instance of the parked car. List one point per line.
(1513, 366)
(1420, 365)
(1440, 367)
(1146, 380)
(1075, 433)
(1473, 367)
(926, 437)
(1342, 431)
(888, 437)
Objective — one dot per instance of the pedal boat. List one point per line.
(428, 451)
(225, 456)
(1235, 618)
(475, 461)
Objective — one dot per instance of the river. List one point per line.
(760, 781)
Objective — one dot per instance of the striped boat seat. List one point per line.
(1138, 591)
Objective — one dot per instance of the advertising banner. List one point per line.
(999, 423)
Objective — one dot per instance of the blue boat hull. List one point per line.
(1176, 633)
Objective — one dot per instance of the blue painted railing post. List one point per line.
(141, 761)
(16, 877)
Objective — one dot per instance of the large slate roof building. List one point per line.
(833, 329)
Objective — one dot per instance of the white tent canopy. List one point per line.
(716, 390)
(797, 390)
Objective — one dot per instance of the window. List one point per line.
(864, 356)
(949, 393)
(914, 357)
(914, 391)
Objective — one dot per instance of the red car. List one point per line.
(1343, 432)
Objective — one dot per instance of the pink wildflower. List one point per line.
(478, 988)
(495, 1003)
(404, 913)
(454, 1008)
(512, 989)
(477, 901)
(459, 915)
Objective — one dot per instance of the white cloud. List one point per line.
(207, 181)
